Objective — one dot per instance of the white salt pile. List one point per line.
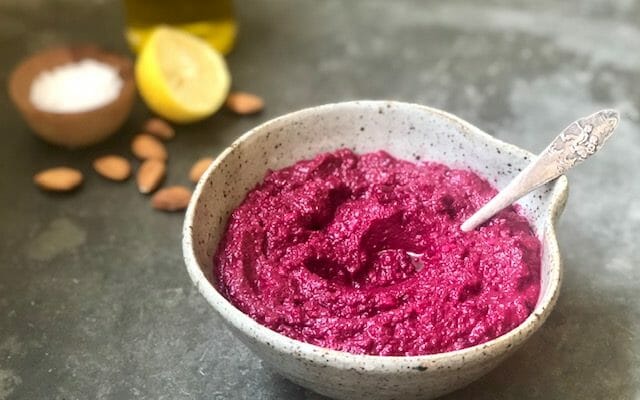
(76, 87)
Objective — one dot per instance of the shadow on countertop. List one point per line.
(569, 358)
(583, 351)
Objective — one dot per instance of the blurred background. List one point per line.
(94, 298)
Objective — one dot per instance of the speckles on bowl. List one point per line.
(406, 131)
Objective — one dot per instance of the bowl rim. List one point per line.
(344, 360)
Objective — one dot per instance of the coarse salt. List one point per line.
(76, 87)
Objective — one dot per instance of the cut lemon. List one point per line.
(180, 76)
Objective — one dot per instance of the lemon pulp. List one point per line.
(180, 76)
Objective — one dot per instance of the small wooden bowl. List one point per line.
(78, 129)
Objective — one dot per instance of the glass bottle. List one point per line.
(212, 20)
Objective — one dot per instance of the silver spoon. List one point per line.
(573, 145)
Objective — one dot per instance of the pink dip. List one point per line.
(318, 252)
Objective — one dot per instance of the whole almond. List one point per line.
(58, 179)
(145, 146)
(244, 103)
(173, 198)
(113, 167)
(150, 174)
(198, 168)
(159, 128)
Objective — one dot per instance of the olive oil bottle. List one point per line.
(212, 20)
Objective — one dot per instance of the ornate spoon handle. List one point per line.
(573, 145)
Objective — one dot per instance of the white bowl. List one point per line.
(406, 131)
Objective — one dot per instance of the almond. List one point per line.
(145, 146)
(159, 128)
(59, 179)
(244, 103)
(150, 174)
(173, 198)
(113, 167)
(199, 168)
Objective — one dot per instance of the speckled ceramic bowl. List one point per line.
(407, 131)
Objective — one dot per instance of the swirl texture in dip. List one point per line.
(364, 254)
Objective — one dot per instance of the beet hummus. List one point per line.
(364, 254)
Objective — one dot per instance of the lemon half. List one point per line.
(180, 76)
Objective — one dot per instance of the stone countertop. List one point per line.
(95, 301)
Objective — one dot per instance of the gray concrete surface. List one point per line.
(95, 302)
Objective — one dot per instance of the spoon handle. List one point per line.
(573, 145)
